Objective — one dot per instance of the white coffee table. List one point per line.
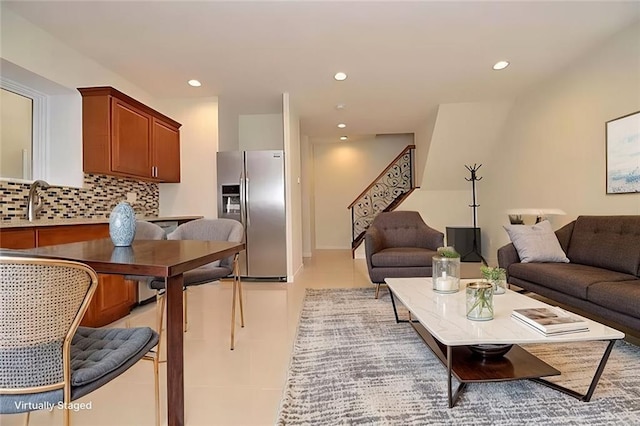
(440, 319)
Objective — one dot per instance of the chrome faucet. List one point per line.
(35, 202)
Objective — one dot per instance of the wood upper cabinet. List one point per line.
(123, 137)
(166, 151)
(130, 140)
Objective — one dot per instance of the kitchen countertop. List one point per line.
(86, 221)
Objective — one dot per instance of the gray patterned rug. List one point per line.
(352, 364)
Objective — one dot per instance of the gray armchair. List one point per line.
(211, 230)
(399, 244)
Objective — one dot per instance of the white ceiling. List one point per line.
(402, 58)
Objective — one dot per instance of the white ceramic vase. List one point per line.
(122, 224)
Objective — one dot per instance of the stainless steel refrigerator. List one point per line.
(251, 190)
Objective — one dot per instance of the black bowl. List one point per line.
(490, 351)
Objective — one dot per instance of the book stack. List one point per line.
(551, 321)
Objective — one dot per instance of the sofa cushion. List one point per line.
(620, 296)
(569, 278)
(536, 243)
(400, 257)
(611, 242)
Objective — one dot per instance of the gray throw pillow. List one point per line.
(536, 243)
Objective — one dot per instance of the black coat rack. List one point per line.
(474, 177)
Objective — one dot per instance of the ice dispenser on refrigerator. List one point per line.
(230, 201)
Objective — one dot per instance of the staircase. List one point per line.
(384, 194)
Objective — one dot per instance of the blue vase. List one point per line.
(122, 224)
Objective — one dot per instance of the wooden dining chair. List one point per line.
(45, 357)
(211, 230)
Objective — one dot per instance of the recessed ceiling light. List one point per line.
(340, 106)
(340, 76)
(342, 125)
(343, 138)
(194, 83)
(501, 65)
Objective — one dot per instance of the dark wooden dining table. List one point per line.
(159, 258)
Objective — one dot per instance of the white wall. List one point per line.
(32, 48)
(307, 194)
(64, 152)
(293, 178)
(552, 153)
(29, 47)
(260, 132)
(464, 134)
(227, 126)
(341, 172)
(422, 141)
(196, 194)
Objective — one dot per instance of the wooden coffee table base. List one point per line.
(467, 367)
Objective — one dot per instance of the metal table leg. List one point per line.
(594, 382)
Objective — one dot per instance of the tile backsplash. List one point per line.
(96, 199)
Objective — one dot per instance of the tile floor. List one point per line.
(222, 387)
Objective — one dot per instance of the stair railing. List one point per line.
(390, 186)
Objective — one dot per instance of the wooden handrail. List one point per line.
(404, 151)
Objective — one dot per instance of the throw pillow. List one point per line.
(536, 243)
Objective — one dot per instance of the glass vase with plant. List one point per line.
(479, 301)
(496, 276)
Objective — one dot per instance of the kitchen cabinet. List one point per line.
(123, 137)
(114, 296)
(166, 151)
(17, 238)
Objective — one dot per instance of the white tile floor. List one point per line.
(222, 387)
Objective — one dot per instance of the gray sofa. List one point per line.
(602, 277)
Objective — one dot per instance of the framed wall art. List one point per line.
(623, 154)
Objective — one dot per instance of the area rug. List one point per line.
(353, 364)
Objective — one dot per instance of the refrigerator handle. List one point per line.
(242, 197)
(247, 200)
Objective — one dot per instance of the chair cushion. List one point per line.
(403, 257)
(202, 275)
(97, 357)
(97, 352)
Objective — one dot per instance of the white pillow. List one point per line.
(536, 243)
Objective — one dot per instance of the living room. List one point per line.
(544, 148)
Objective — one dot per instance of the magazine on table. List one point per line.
(551, 320)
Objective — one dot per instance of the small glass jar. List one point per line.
(480, 301)
(499, 285)
(497, 277)
(445, 274)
